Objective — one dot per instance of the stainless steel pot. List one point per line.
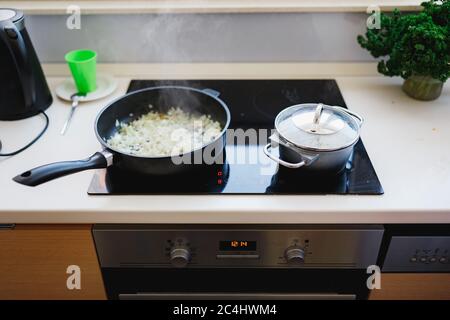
(315, 137)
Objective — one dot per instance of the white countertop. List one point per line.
(205, 6)
(408, 142)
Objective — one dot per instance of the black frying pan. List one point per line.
(128, 108)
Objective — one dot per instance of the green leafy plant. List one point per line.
(413, 44)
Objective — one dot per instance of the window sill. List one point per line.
(211, 6)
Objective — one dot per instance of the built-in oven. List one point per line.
(236, 261)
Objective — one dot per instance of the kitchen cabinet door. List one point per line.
(413, 286)
(34, 260)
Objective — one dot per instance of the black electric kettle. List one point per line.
(23, 89)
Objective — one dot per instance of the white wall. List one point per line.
(204, 37)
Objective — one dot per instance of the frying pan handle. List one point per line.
(55, 170)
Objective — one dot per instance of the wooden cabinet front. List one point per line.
(34, 261)
(413, 286)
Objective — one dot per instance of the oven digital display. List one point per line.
(237, 245)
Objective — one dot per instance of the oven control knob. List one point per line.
(180, 257)
(294, 255)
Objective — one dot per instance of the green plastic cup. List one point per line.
(82, 65)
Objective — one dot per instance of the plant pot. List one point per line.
(422, 87)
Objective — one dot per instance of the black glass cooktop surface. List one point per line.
(253, 104)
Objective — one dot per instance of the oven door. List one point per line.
(236, 262)
(234, 284)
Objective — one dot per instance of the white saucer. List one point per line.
(106, 84)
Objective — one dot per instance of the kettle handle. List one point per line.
(16, 44)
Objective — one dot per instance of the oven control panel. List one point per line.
(211, 246)
(418, 254)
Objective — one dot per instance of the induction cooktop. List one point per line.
(254, 105)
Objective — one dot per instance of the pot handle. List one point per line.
(267, 152)
(55, 170)
(359, 118)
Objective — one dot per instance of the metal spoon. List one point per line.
(75, 100)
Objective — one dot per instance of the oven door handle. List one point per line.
(235, 296)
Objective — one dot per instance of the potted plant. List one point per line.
(415, 47)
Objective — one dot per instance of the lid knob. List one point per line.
(316, 119)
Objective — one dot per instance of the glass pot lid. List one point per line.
(318, 126)
(10, 14)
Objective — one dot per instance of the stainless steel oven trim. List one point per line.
(339, 246)
(418, 254)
